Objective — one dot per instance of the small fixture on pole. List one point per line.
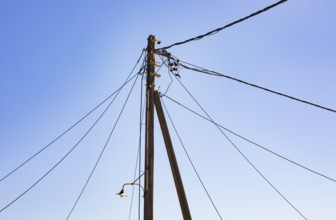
(122, 191)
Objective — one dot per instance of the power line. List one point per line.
(138, 157)
(65, 132)
(242, 154)
(252, 142)
(214, 73)
(71, 127)
(53, 141)
(141, 117)
(40, 179)
(134, 176)
(226, 26)
(169, 74)
(191, 162)
(131, 204)
(103, 150)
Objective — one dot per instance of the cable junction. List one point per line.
(175, 64)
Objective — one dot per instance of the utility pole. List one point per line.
(153, 98)
(149, 139)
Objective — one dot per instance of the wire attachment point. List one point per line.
(156, 75)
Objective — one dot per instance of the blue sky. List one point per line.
(59, 59)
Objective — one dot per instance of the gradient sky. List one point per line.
(59, 59)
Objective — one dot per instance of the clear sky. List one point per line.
(59, 59)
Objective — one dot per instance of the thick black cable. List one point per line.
(252, 142)
(214, 73)
(191, 162)
(226, 26)
(71, 127)
(242, 154)
(41, 178)
(103, 150)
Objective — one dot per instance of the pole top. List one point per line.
(151, 38)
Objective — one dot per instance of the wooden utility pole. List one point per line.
(149, 139)
(153, 98)
(172, 158)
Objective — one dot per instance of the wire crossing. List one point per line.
(207, 117)
(61, 160)
(75, 124)
(191, 162)
(129, 78)
(243, 155)
(65, 132)
(102, 151)
(226, 26)
(252, 142)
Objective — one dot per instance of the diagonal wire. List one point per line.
(128, 79)
(103, 150)
(134, 176)
(71, 127)
(252, 142)
(140, 144)
(191, 162)
(242, 154)
(138, 158)
(169, 74)
(67, 154)
(226, 26)
(214, 73)
(57, 138)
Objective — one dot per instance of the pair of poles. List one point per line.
(153, 100)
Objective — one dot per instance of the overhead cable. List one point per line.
(75, 124)
(226, 26)
(138, 157)
(141, 119)
(214, 73)
(67, 154)
(191, 162)
(169, 74)
(134, 176)
(102, 151)
(252, 142)
(242, 154)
